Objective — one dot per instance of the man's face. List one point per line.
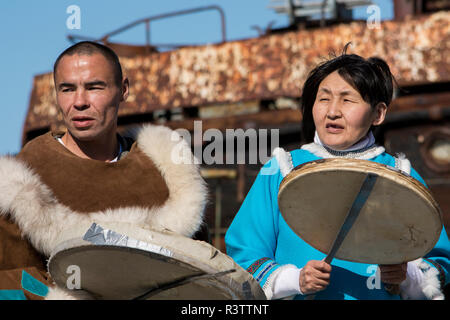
(88, 95)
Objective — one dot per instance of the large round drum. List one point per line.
(165, 266)
(399, 222)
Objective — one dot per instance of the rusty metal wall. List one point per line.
(267, 67)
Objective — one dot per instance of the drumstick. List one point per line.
(358, 204)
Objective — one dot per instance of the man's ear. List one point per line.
(125, 89)
(380, 114)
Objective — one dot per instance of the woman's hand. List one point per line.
(393, 273)
(315, 276)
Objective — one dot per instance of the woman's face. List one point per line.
(341, 115)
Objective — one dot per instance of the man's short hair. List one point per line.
(90, 48)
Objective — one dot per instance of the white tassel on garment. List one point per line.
(284, 160)
(402, 163)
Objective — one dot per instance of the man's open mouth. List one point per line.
(82, 122)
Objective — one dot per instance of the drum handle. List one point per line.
(358, 204)
(392, 288)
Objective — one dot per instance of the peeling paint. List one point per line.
(268, 67)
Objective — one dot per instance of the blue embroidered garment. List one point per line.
(260, 240)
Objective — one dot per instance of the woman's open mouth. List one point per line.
(334, 128)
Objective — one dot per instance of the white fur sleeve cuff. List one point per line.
(421, 282)
(286, 282)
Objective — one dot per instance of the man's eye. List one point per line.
(324, 99)
(346, 100)
(66, 89)
(95, 88)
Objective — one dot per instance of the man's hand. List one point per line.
(394, 273)
(315, 276)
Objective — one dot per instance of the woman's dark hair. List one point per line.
(371, 77)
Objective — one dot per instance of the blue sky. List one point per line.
(33, 33)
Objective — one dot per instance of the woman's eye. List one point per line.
(324, 99)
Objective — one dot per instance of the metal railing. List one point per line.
(300, 9)
(148, 20)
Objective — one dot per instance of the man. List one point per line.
(62, 182)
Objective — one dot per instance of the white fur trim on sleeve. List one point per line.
(410, 288)
(426, 287)
(286, 284)
(284, 160)
(268, 287)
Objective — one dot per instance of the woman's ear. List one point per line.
(380, 114)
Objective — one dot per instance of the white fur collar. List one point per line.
(363, 154)
(284, 158)
(47, 223)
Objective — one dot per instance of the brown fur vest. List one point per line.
(53, 196)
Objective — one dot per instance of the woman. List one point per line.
(342, 100)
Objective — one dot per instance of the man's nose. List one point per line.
(80, 102)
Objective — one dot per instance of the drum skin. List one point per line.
(400, 221)
(121, 273)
